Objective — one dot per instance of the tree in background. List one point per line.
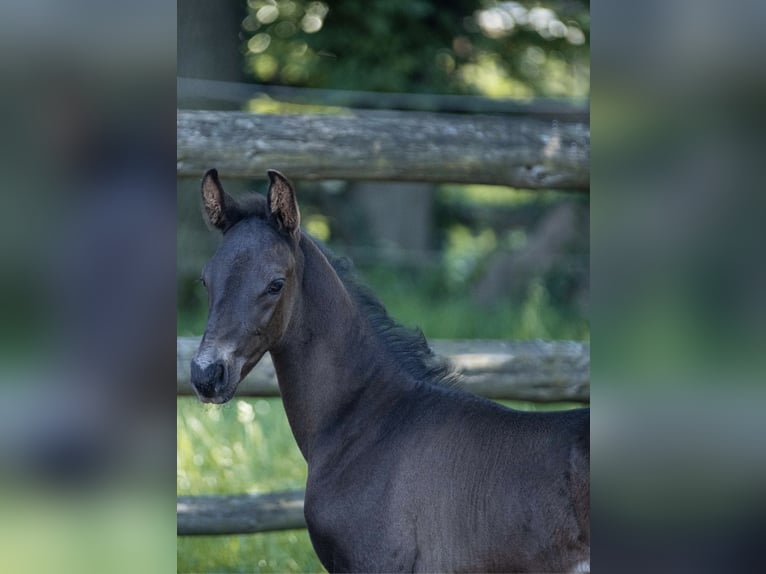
(208, 42)
(500, 49)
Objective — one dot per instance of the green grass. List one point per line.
(243, 446)
(273, 552)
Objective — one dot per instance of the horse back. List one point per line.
(499, 490)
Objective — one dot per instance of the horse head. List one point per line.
(252, 280)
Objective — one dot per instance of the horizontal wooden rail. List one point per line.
(536, 371)
(516, 151)
(239, 513)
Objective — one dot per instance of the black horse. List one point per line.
(405, 471)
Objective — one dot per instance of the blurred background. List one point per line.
(678, 282)
(87, 291)
(459, 261)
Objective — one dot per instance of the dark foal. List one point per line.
(405, 471)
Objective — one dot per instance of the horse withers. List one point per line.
(406, 472)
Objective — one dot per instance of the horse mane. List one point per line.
(408, 346)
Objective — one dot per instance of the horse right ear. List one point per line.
(219, 209)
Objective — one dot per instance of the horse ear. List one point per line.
(283, 206)
(220, 210)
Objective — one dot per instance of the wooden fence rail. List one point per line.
(517, 151)
(239, 513)
(536, 371)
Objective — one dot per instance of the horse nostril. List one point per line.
(217, 372)
(197, 372)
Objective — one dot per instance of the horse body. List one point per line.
(405, 472)
(447, 491)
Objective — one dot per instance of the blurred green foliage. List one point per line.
(500, 49)
(94, 529)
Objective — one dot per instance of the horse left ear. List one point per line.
(219, 209)
(283, 206)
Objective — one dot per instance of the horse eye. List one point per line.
(276, 286)
(202, 280)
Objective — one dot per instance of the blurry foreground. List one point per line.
(87, 335)
(678, 283)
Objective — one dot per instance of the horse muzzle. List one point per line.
(211, 381)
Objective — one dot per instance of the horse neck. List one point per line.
(327, 359)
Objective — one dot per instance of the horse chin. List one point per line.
(218, 399)
(221, 396)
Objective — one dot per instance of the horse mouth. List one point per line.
(211, 400)
(217, 396)
(216, 399)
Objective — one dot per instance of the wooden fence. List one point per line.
(239, 513)
(534, 371)
(528, 151)
(525, 152)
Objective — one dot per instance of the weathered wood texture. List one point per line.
(536, 371)
(239, 513)
(388, 146)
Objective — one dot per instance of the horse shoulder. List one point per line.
(351, 522)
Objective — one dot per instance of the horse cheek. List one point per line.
(283, 314)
